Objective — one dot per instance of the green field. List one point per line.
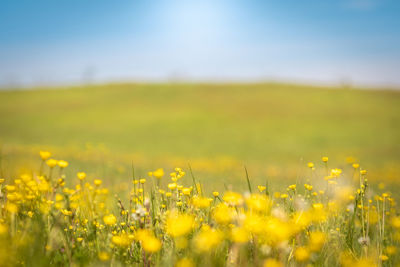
(273, 129)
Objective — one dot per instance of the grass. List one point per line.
(253, 189)
(273, 129)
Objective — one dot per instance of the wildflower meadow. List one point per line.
(166, 218)
(199, 175)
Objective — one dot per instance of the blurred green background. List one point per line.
(273, 129)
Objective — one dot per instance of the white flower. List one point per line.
(139, 213)
(364, 241)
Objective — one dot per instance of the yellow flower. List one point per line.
(261, 188)
(172, 186)
(81, 175)
(215, 194)
(14, 196)
(3, 229)
(395, 222)
(391, 250)
(51, 163)
(62, 163)
(186, 191)
(347, 260)
(44, 154)
(44, 186)
(240, 235)
(310, 165)
(142, 181)
(179, 224)
(325, 159)
(185, 262)
(98, 182)
(149, 243)
(292, 187)
(254, 223)
(317, 240)
(79, 239)
(233, 198)
(270, 262)
(59, 197)
(122, 240)
(159, 173)
(104, 256)
(257, 202)
(336, 172)
(201, 202)
(302, 254)
(356, 165)
(318, 206)
(11, 188)
(207, 239)
(308, 187)
(110, 219)
(26, 178)
(277, 231)
(11, 208)
(66, 212)
(383, 257)
(223, 214)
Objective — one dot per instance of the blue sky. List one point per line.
(71, 41)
